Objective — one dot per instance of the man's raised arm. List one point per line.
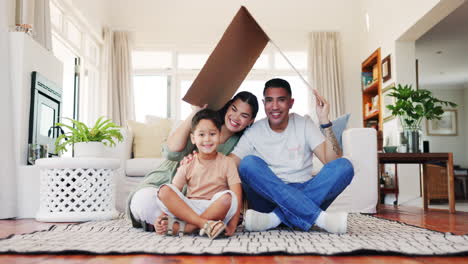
(330, 149)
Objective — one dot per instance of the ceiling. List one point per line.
(443, 51)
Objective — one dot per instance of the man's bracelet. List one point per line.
(323, 126)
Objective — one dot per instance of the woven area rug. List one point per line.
(366, 235)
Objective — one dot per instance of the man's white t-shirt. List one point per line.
(288, 153)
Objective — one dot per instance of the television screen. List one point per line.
(46, 98)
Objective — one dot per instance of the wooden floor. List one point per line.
(434, 219)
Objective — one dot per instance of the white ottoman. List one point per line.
(77, 189)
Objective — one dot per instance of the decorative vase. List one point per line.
(88, 150)
(411, 137)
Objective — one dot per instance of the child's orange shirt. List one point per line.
(205, 180)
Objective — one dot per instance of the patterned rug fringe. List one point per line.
(367, 235)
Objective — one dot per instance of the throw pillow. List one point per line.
(339, 125)
(148, 138)
(151, 119)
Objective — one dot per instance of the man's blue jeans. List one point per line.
(296, 204)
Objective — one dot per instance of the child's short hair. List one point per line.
(207, 114)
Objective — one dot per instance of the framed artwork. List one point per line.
(446, 126)
(386, 69)
(387, 100)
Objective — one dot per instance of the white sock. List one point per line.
(274, 220)
(333, 222)
(256, 221)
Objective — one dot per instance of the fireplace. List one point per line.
(46, 98)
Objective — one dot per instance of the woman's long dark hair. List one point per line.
(246, 97)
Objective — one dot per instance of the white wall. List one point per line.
(394, 26)
(7, 160)
(195, 25)
(27, 56)
(96, 13)
(455, 144)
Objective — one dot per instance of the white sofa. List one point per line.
(360, 144)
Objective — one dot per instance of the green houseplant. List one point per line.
(412, 106)
(103, 133)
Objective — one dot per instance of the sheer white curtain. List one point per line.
(7, 159)
(325, 69)
(106, 73)
(119, 92)
(42, 31)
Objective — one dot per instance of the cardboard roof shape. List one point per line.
(229, 63)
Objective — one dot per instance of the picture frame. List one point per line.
(387, 100)
(446, 126)
(386, 69)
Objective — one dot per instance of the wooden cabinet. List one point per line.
(371, 78)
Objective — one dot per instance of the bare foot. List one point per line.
(160, 226)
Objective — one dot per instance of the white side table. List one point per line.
(77, 189)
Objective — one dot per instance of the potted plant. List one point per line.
(411, 106)
(88, 141)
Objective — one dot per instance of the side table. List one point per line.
(422, 158)
(76, 189)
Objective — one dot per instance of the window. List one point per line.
(185, 108)
(262, 62)
(151, 96)
(191, 61)
(72, 37)
(92, 51)
(175, 71)
(56, 16)
(298, 59)
(74, 34)
(151, 83)
(67, 57)
(151, 60)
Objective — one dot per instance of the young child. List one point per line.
(214, 188)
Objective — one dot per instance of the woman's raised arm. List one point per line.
(178, 139)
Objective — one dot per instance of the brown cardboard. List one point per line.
(229, 63)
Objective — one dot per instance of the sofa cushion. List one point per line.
(339, 125)
(148, 138)
(141, 166)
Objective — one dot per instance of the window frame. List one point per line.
(89, 106)
(169, 82)
(178, 75)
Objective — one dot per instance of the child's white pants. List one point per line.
(146, 206)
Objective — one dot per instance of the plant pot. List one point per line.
(88, 150)
(411, 137)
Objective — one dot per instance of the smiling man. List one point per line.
(275, 157)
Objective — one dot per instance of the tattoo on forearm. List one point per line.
(331, 137)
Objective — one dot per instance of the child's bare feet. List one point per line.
(161, 226)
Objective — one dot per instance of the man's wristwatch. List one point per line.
(329, 124)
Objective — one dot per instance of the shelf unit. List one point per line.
(371, 78)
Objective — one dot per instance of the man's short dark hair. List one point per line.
(207, 114)
(278, 83)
